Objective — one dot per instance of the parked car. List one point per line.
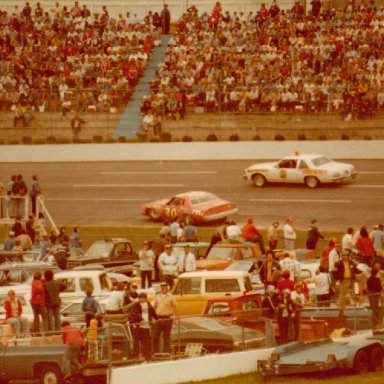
(221, 255)
(247, 311)
(198, 207)
(214, 335)
(109, 253)
(312, 170)
(192, 290)
(12, 274)
(19, 256)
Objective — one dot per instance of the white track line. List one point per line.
(302, 201)
(127, 185)
(372, 186)
(159, 173)
(371, 172)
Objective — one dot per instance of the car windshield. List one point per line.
(203, 199)
(319, 161)
(209, 324)
(222, 253)
(101, 249)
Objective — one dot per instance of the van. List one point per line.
(192, 290)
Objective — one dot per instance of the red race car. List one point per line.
(193, 207)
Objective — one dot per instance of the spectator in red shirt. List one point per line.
(364, 245)
(324, 258)
(73, 338)
(38, 303)
(250, 233)
(285, 282)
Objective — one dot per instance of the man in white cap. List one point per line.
(165, 307)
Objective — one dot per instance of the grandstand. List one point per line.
(253, 71)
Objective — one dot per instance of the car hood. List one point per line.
(263, 165)
(157, 202)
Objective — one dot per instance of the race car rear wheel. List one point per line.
(259, 180)
(311, 182)
(189, 220)
(360, 362)
(375, 357)
(154, 215)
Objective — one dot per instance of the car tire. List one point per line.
(189, 220)
(50, 374)
(154, 215)
(360, 362)
(259, 180)
(311, 182)
(375, 357)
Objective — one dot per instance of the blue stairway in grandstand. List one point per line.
(131, 118)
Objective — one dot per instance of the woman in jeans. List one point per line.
(13, 312)
(38, 303)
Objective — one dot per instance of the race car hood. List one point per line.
(156, 203)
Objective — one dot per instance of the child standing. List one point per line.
(90, 306)
(92, 334)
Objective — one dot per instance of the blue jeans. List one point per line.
(53, 314)
(37, 312)
(20, 324)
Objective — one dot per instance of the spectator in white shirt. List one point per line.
(347, 240)
(289, 235)
(187, 261)
(115, 302)
(234, 233)
(322, 287)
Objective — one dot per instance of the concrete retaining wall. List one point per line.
(195, 369)
(246, 150)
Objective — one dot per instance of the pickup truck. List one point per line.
(41, 357)
(108, 253)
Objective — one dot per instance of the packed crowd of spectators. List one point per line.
(322, 60)
(66, 58)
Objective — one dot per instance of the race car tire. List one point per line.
(375, 358)
(154, 215)
(189, 220)
(360, 362)
(259, 180)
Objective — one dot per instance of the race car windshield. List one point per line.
(203, 199)
(319, 161)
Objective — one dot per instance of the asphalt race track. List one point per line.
(112, 192)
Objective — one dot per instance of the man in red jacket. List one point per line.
(73, 338)
(250, 233)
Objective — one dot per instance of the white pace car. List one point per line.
(312, 170)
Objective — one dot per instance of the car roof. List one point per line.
(303, 156)
(232, 245)
(214, 274)
(72, 273)
(246, 296)
(192, 244)
(194, 194)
